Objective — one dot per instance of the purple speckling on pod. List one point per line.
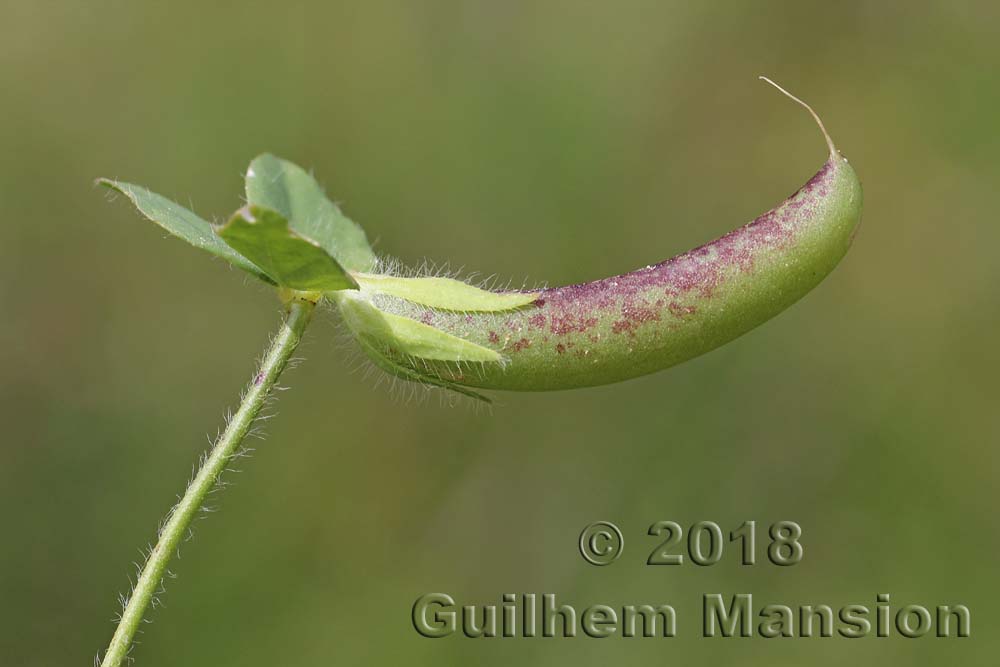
(660, 315)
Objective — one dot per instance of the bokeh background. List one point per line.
(550, 142)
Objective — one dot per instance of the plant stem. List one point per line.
(284, 344)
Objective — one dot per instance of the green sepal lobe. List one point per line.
(409, 337)
(445, 293)
(371, 348)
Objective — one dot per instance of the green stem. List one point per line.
(282, 347)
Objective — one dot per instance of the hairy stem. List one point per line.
(277, 356)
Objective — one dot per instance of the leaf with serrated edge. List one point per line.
(410, 337)
(291, 191)
(264, 236)
(391, 367)
(444, 293)
(184, 224)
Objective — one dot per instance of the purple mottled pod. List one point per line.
(655, 317)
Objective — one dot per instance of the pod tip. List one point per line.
(826, 135)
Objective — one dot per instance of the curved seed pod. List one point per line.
(657, 316)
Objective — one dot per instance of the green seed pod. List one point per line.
(640, 322)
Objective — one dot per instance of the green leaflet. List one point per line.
(371, 348)
(183, 223)
(290, 260)
(410, 337)
(288, 189)
(444, 293)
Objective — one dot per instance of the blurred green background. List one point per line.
(551, 142)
